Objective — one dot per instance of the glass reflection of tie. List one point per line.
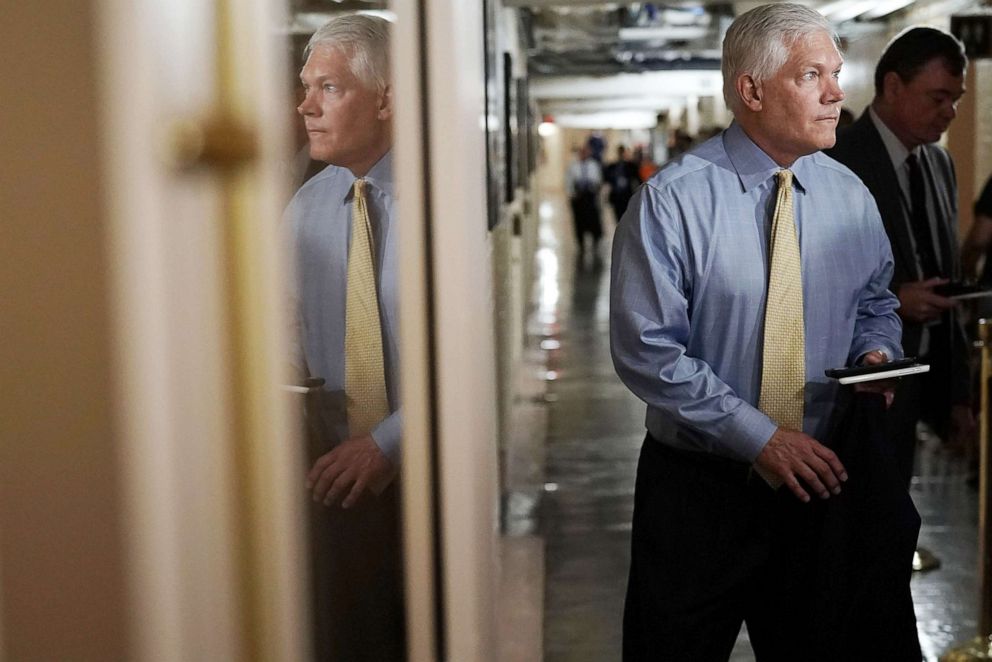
(365, 383)
(783, 369)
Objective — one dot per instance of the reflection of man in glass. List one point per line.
(344, 234)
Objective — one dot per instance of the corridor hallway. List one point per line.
(595, 428)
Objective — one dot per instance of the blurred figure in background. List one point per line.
(583, 180)
(597, 146)
(646, 166)
(679, 143)
(975, 252)
(623, 179)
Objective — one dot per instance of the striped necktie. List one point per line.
(928, 247)
(783, 366)
(364, 382)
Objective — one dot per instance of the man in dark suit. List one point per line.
(918, 83)
(623, 179)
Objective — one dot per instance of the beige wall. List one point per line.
(60, 535)
(970, 140)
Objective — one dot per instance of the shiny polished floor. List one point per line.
(594, 432)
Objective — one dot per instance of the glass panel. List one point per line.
(341, 225)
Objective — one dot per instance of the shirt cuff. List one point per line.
(387, 436)
(752, 430)
(892, 352)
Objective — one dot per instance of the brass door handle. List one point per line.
(215, 143)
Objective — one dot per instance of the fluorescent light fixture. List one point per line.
(831, 8)
(886, 8)
(844, 10)
(381, 13)
(617, 103)
(852, 11)
(611, 120)
(663, 33)
(308, 22)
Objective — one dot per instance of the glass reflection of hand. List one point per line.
(351, 470)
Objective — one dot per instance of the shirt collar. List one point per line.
(897, 151)
(754, 167)
(380, 177)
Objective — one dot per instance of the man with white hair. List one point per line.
(742, 271)
(344, 235)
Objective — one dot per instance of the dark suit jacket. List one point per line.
(628, 170)
(861, 149)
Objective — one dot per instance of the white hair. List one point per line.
(759, 40)
(364, 39)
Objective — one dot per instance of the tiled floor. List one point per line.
(594, 432)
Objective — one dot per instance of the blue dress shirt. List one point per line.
(689, 278)
(319, 222)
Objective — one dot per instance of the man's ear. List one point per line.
(891, 85)
(385, 110)
(749, 91)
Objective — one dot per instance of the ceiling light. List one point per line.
(886, 8)
(673, 32)
(833, 7)
(381, 13)
(611, 120)
(853, 10)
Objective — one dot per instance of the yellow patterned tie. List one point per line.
(783, 367)
(364, 376)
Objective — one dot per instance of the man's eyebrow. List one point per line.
(823, 65)
(318, 79)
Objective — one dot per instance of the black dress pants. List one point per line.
(585, 216)
(700, 543)
(357, 562)
(713, 546)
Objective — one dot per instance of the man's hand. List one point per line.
(353, 468)
(886, 387)
(790, 455)
(919, 303)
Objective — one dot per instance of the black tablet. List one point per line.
(867, 373)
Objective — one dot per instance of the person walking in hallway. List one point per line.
(583, 180)
(918, 82)
(622, 178)
(741, 272)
